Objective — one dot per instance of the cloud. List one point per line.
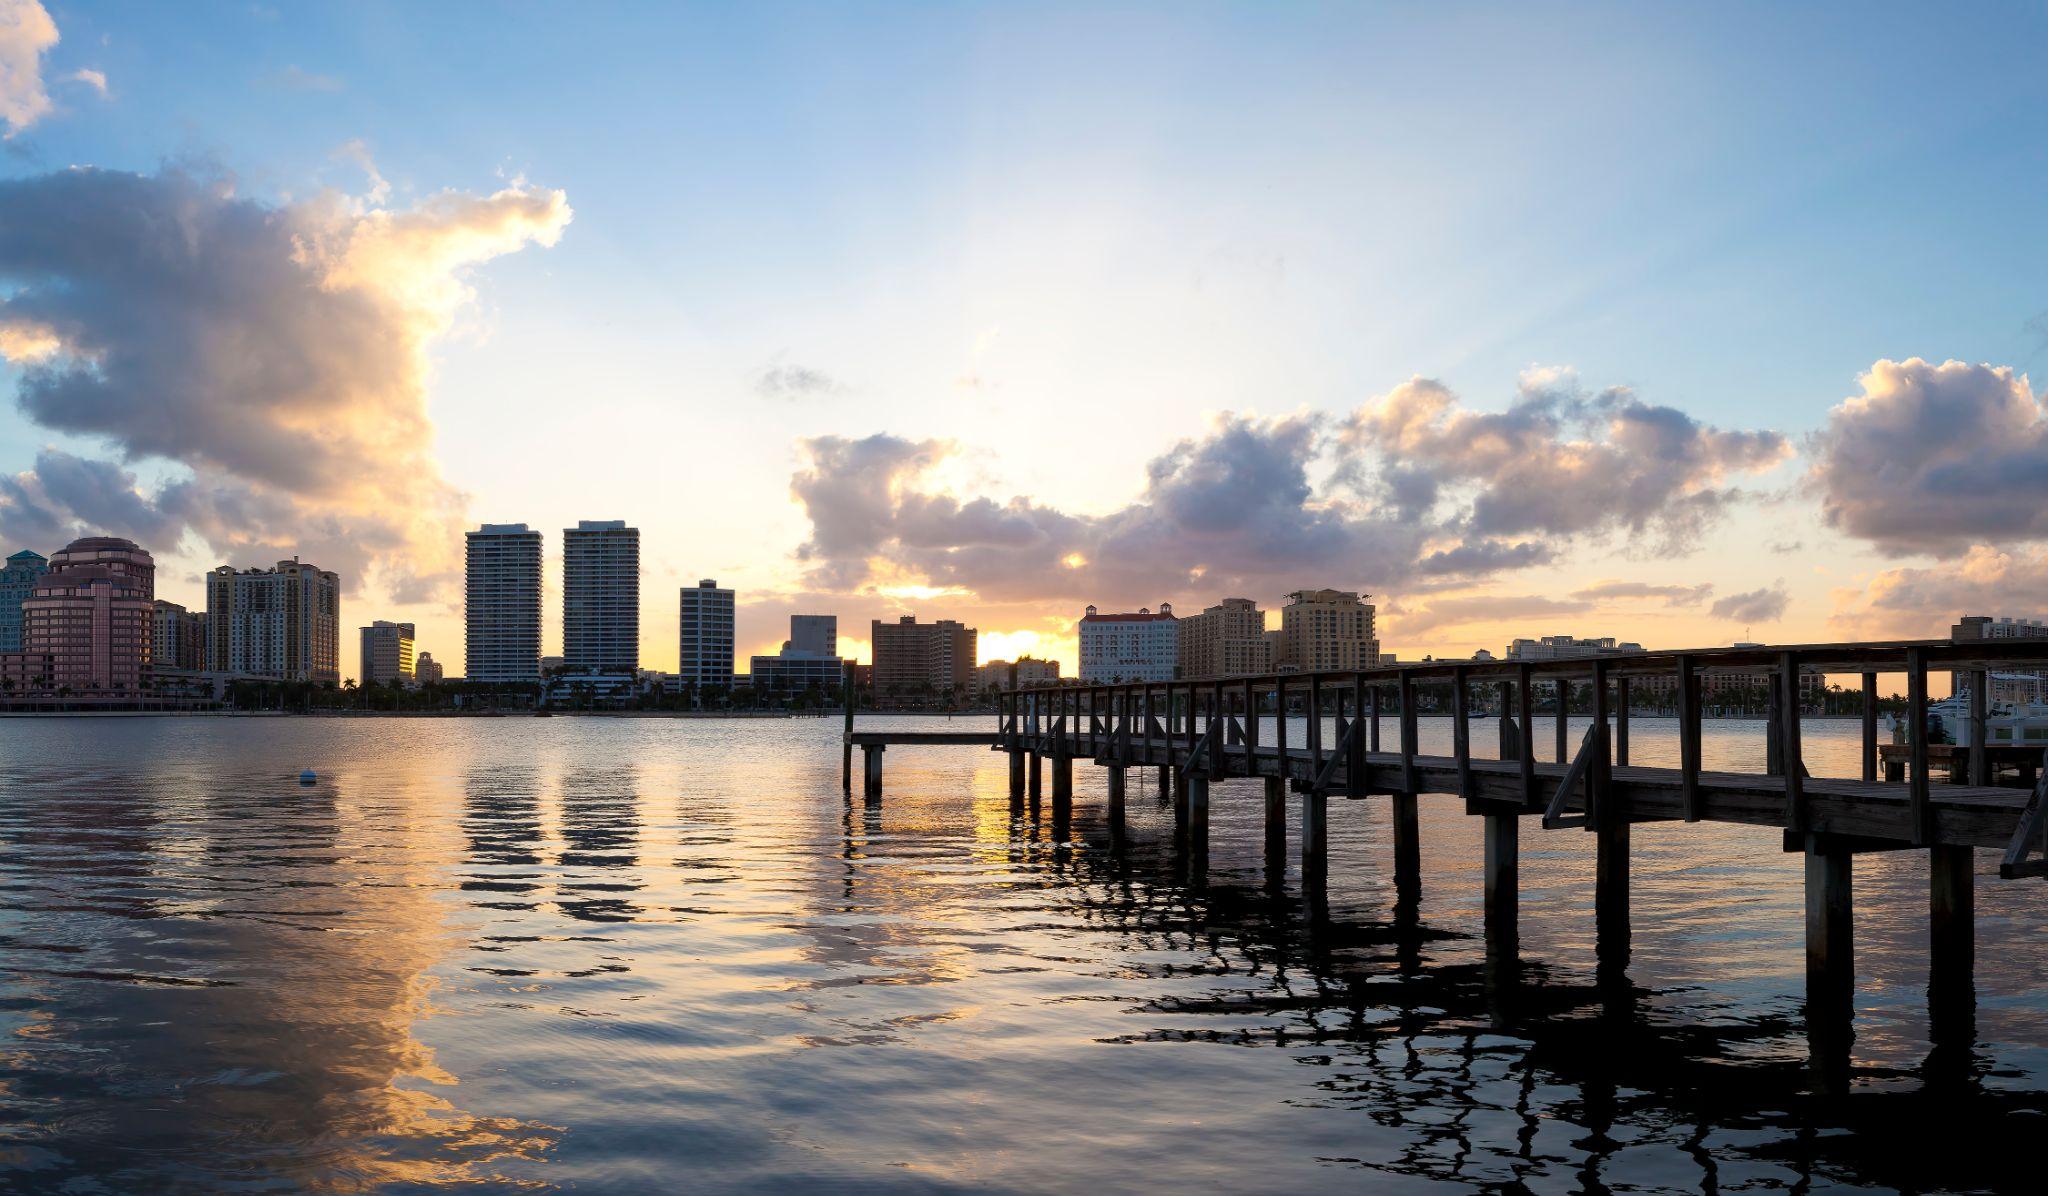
(795, 382)
(1423, 494)
(1766, 605)
(26, 33)
(1934, 459)
(1232, 507)
(1667, 595)
(1913, 602)
(295, 78)
(1462, 611)
(1557, 462)
(277, 353)
(1481, 558)
(97, 80)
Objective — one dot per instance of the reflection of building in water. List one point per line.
(257, 1025)
(600, 828)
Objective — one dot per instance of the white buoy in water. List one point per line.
(306, 777)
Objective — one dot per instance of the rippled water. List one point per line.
(622, 955)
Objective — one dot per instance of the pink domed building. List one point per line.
(86, 625)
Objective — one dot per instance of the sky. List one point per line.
(1673, 323)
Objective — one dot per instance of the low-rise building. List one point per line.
(2012, 684)
(428, 671)
(1026, 672)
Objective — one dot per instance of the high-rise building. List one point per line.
(1326, 630)
(910, 655)
(86, 625)
(177, 637)
(705, 635)
(428, 671)
(1226, 640)
(17, 580)
(816, 635)
(388, 653)
(283, 622)
(1129, 647)
(601, 597)
(501, 605)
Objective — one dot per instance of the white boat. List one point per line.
(2005, 724)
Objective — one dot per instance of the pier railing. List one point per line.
(1199, 718)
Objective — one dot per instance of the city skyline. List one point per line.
(1738, 389)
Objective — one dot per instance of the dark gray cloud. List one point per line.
(795, 382)
(278, 353)
(1483, 557)
(1934, 459)
(1766, 605)
(1557, 462)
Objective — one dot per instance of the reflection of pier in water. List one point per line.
(1490, 1077)
(1199, 733)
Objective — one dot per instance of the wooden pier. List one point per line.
(1201, 731)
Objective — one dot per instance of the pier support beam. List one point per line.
(1062, 783)
(1407, 818)
(1036, 786)
(1952, 954)
(1610, 894)
(871, 769)
(1180, 801)
(1016, 776)
(1117, 779)
(1503, 892)
(1276, 818)
(1165, 784)
(1830, 962)
(1198, 813)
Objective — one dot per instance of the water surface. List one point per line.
(623, 955)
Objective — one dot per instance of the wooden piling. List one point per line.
(1017, 767)
(1407, 822)
(1315, 833)
(1276, 817)
(1062, 785)
(1952, 940)
(846, 740)
(1610, 889)
(1830, 961)
(1503, 882)
(1198, 813)
(871, 769)
(1036, 782)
